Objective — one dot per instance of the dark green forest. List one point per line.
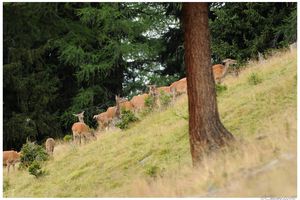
(64, 58)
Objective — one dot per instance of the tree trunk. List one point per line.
(206, 131)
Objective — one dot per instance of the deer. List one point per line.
(82, 131)
(178, 87)
(156, 92)
(105, 118)
(11, 158)
(122, 104)
(153, 92)
(138, 102)
(165, 89)
(220, 70)
(50, 143)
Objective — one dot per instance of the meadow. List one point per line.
(152, 158)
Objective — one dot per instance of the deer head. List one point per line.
(80, 116)
(95, 117)
(152, 90)
(229, 61)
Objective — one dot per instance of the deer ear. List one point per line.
(82, 112)
(75, 115)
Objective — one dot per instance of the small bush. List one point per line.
(68, 138)
(254, 79)
(150, 102)
(127, 117)
(164, 98)
(36, 170)
(31, 152)
(220, 88)
(152, 171)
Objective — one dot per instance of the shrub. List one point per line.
(152, 171)
(31, 152)
(68, 138)
(150, 102)
(164, 98)
(36, 170)
(127, 117)
(220, 88)
(254, 79)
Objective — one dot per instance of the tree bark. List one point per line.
(206, 131)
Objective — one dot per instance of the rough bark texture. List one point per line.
(206, 131)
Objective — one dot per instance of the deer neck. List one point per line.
(226, 67)
(81, 119)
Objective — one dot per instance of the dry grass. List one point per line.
(152, 158)
(253, 167)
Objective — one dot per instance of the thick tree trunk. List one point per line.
(205, 128)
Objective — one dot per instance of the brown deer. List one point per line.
(105, 118)
(11, 158)
(157, 92)
(50, 143)
(153, 92)
(220, 70)
(165, 89)
(178, 88)
(138, 102)
(122, 104)
(81, 131)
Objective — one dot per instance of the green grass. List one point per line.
(152, 157)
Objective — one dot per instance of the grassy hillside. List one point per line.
(152, 158)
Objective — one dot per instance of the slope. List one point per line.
(152, 158)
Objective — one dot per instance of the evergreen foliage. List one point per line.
(32, 152)
(62, 58)
(35, 169)
(241, 30)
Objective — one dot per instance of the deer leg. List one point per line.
(8, 165)
(86, 138)
(174, 96)
(77, 139)
(74, 138)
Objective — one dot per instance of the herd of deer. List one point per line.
(137, 103)
(81, 131)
